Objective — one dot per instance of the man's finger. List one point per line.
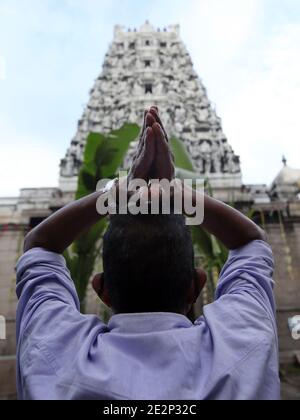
(164, 163)
(161, 141)
(148, 152)
(155, 113)
(150, 120)
(146, 158)
(147, 122)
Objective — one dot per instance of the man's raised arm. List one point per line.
(61, 229)
(230, 226)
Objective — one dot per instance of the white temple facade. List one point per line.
(153, 67)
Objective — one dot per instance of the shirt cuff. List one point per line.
(38, 256)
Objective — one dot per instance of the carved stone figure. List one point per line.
(159, 88)
(216, 152)
(180, 114)
(138, 89)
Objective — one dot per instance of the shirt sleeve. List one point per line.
(51, 331)
(248, 274)
(42, 277)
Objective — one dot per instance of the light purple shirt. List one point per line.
(230, 353)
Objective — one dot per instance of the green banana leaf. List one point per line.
(182, 158)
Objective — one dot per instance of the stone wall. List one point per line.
(10, 247)
(285, 241)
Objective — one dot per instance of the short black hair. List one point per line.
(148, 263)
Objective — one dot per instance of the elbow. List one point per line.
(28, 241)
(258, 234)
(254, 233)
(264, 236)
(32, 241)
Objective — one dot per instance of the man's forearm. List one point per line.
(230, 226)
(61, 229)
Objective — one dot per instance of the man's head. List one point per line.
(149, 260)
(149, 265)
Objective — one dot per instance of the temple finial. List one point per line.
(284, 160)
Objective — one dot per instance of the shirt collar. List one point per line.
(147, 322)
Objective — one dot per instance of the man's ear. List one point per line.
(100, 289)
(199, 282)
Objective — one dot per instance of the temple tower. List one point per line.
(146, 67)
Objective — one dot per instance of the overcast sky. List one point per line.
(247, 52)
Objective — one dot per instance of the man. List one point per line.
(149, 349)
